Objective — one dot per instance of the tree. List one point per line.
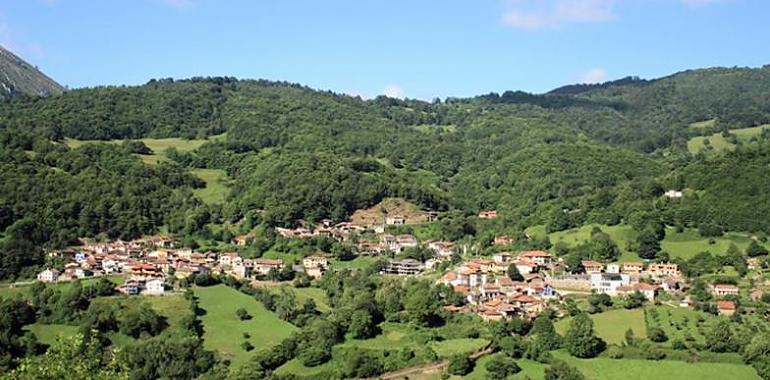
(545, 332)
(513, 273)
(559, 370)
(603, 248)
(460, 365)
(634, 300)
(757, 353)
(360, 364)
(501, 366)
(647, 244)
(630, 339)
(580, 339)
(142, 319)
(754, 249)
(71, 358)
(657, 335)
(720, 338)
(362, 325)
(599, 302)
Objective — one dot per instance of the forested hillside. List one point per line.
(580, 154)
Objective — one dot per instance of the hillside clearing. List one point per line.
(216, 189)
(612, 325)
(720, 143)
(224, 332)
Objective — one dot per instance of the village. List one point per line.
(154, 265)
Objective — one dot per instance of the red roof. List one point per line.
(462, 289)
(534, 254)
(726, 305)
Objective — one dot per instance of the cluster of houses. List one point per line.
(489, 291)
(619, 279)
(148, 264)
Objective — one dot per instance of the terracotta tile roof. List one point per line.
(726, 305)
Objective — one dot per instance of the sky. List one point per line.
(418, 48)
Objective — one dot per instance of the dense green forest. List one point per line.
(580, 154)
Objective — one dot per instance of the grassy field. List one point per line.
(689, 243)
(719, 143)
(632, 369)
(47, 334)
(677, 322)
(316, 294)
(621, 234)
(393, 336)
(612, 325)
(6, 291)
(295, 367)
(224, 331)
(682, 245)
(359, 262)
(216, 185)
(447, 348)
(158, 146)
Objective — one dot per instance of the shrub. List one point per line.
(243, 314)
(460, 365)
(615, 352)
(657, 335)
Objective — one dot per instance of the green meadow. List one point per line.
(719, 143)
(678, 244)
(158, 146)
(216, 185)
(224, 331)
(612, 325)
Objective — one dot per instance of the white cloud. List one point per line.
(595, 75)
(540, 14)
(393, 91)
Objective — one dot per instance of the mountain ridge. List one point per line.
(18, 77)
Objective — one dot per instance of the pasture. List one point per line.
(216, 185)
(158, 146)
(719, 143)
(612, 325)
(224, 331)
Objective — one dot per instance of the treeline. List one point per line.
(51, 195)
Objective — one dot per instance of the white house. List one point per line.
(156, 286)
(48, 275)
(608, 283)
(613, 268)
(673, 194)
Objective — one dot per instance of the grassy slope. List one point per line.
(719, 143)
(632, 369)
(47, 334)
(216, 187)
(612, 325)
(224, 331)
(684, 245)
(158, 146)
(316, 294)
(677, 321)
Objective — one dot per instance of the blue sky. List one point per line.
(418, 48)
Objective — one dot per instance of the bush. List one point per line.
(243, 314)
(615, 352)
(460, 365)
(501, 366)
(247, 346)
(678, 345)
(657, 335)
(560, 370)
